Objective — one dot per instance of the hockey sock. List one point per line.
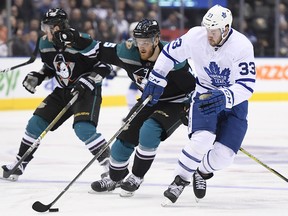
(93, 140)
(142, 161)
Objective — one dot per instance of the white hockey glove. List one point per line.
(32, 80)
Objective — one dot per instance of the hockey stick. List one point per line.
(37, 141)
(263, 164)
(31, 60)
(40, 207)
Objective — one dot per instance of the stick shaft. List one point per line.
(263, 164)
(31, 59)
(42, 135)
(103, 148)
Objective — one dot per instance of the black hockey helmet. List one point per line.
(146, 29)
(56, 16)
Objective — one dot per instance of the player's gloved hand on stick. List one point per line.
(32, 80)
(154, 87)
(86, 84)
(65, 37)
(214, 101)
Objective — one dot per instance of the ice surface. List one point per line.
(245, 188)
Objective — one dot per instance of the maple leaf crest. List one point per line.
(218, 77)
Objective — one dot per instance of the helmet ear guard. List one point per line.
(217, 17)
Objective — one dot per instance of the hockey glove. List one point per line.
(65, 37)
(214, 101)
(86, 84)
(154, 87)
(32, 80)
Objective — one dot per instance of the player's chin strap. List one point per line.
(37, 141)
(40, 207)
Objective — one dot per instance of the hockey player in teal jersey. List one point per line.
(66, 56)
(153, 124)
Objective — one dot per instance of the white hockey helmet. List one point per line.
(217, 17)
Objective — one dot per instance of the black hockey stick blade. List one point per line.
(40, 207)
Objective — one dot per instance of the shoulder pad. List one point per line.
(129, 43)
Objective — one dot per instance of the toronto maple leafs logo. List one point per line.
(218, 78)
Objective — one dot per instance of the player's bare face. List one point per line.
(214, 36)
(145, 46)
(49, 30)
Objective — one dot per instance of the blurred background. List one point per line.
(264, 22)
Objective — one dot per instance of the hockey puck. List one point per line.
(53, 209)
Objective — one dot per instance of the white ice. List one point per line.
(245, 188)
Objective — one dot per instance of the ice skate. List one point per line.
(106, 184)
(15, 175)
(174, 190)
(130, 185)
(199, 184)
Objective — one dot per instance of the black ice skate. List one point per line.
(15, 175)
(130, 185)
(199, 184)
(174, 190)
(104, 185)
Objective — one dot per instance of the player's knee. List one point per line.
(36, 125)
(221, 156)
(121, 151)
(84, 130)
(150, 134)
(202, 141)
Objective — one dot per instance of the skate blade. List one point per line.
(197, 199)
(96, 192)
(166, 202)
(125, 193)
(11, 178)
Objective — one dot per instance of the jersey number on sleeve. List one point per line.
(176, 43)
(108, 44)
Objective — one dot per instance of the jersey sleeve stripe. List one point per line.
(245, 86)
(170, 57)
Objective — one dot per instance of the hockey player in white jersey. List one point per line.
(223, 60)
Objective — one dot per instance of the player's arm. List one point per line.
(172, 54)
(107, 53)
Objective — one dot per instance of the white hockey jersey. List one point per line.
(230, 66)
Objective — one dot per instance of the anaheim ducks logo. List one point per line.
(129, 44)
(64, 70)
